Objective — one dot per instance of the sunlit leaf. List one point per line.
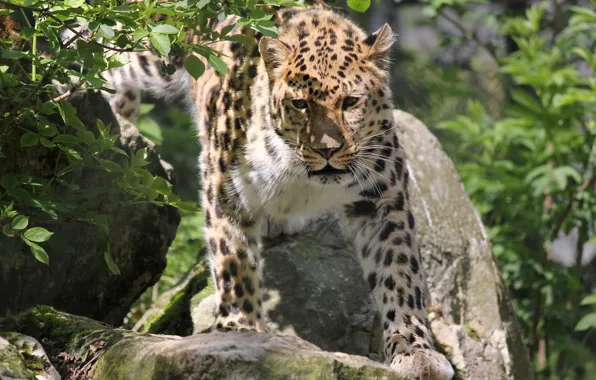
(39, 253)
(20, 222)
(359, 5)
(38, 234)
(194, 66)
(218, 64)
(161, 43)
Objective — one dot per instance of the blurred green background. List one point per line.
(509, 89)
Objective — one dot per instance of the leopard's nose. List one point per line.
(326, 152)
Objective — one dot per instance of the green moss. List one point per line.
(45, 322)
(472, 333)
(13, 361)
(62, 332)
(281, 366)
(175, 318)
(204, 293)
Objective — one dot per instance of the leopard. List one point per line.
(300, 124)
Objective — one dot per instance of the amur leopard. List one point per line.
(300, 124)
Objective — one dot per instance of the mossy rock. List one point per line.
(12, 363)
(79, 345)
(221, 356)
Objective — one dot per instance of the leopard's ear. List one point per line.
(380, 43)
(274, 52)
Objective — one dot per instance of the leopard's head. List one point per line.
(329, 93)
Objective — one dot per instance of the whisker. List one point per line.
(381, 147)
(374, 171)
(353, 171)
(369, 176)
(384, 158)
(380, 133)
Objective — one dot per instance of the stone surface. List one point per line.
(241, 356)
(77, 279)
(12, 363)
(22, 356)
(315, 290)
(89, 350)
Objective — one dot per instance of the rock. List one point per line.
(89, 350)
(23, 357)
(314, 286)
(461, 272)
(12, 363)
(77, 279)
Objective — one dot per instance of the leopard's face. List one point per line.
(329, 94)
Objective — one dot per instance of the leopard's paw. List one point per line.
(423, 365)
(242, 324)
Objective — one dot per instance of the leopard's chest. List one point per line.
(285, 193)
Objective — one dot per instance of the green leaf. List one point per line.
(165, 29)
(8, 181)
(587, 322)
(241, 38)
(111, 166)
(150, 129)
(227, 29)
(359, 5)
(267, 28)
(39, 253)
(20, 222)
(72, 154)
(590, 14)
(66, 139)
(161, 43)
(29, 139)
(119, 151)
(185, 206)
(47, 130)
(68, 113)
(74, 3)
(110, 262)
(38, 234)
(201, 4)
(13, 54)
(162, 186)
(8, 231)
(218, 64)
(139, 34)
(526, 100)
(107, 31)
(194, 66)
(589, 300)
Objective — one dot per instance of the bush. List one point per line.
(532, 173)
(34, 55)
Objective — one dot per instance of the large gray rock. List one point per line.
(84, 349)
(315, 290)
(77, 279)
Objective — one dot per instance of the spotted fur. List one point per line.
(301, 124)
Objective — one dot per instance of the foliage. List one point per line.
(39, 119)
(531, 174)
(170, 128)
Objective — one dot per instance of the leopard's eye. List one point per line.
(349, 102)
(299, 104)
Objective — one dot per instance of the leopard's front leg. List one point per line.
(382, 227)
(233, 246)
